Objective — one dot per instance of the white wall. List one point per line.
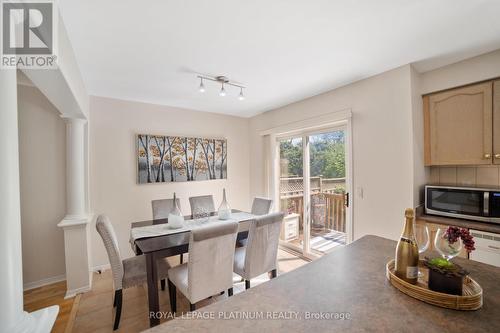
(42, 155)
(382, 146)
(114, 125)
(63, 86)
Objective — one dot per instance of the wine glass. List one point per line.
(423, 240)
(422, 237)
(447, 249)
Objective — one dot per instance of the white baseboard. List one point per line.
(44, 282)
(101, 268)
(74, 292)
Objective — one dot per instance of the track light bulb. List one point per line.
(222, 91)
(202, 86)
(241, 96)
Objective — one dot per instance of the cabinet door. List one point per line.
(496, 122)
(459, 126)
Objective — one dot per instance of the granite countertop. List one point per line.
(463, 223)
(351, 282)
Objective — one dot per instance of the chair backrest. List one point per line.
(163, 207)
(261, 206)
(262, 246)
(203, 202)
(211, 256)
(105, 229)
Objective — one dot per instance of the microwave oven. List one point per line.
(480, 204)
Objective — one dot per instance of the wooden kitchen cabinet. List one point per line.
(458, 126)
(496, 122)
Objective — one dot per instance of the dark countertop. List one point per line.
(462, 223)
(348, 280)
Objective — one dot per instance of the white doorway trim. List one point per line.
(317, 124)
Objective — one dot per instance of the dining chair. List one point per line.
(202, 203)
(261, 251)
(261, 206)
(209, 270)
(128, 272)
(161, 209)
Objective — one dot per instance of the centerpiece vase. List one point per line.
(224, 211)
(175, 218)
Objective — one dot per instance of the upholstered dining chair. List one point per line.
(161, 209)
(261, 251)
(209, 270)
(261, 206)
(127, 272)
(202, 203)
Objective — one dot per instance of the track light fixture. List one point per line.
(224, 81)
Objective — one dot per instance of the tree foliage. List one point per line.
(327, 155)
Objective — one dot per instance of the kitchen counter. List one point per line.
(351, 283)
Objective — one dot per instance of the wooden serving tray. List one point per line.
(472, 298)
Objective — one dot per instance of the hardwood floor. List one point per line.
(93, 311)
(52, 294)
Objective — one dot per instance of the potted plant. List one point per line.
(444, 275)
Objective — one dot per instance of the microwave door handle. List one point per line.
(486, 204)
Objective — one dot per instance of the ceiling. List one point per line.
(282, 50)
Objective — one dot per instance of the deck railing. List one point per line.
(327, 207)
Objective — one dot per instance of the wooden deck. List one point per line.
(323, 241)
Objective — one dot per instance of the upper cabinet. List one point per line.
(496, 122)
(459, 127)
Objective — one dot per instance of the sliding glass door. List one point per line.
(313, 191)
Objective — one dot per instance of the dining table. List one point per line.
(171, 244)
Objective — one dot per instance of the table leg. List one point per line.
(154, 304)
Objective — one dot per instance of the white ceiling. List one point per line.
(282, 50)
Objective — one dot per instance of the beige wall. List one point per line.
(42, 146)
(483, 67)
(421, 173)
(114, 190)
(382, 146)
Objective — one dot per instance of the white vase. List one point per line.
(224, 211)
(175, 218)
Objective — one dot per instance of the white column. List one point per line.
(12, 316)
(75, 168)
(76, 221)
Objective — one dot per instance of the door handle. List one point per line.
(497, 156)
(346, 199)
(487, 156)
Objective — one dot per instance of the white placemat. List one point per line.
(163, 229)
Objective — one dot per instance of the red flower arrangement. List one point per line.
(453, 233)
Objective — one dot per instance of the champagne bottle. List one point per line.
(407, 252)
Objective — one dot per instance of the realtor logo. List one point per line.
(28, 34)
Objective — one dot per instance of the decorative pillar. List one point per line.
(75, 169)
(12, 316)
(76, 222)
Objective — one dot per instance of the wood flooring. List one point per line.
(93, 311)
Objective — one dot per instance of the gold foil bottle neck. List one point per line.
(409, 213)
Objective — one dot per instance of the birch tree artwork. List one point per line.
(178, 159)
